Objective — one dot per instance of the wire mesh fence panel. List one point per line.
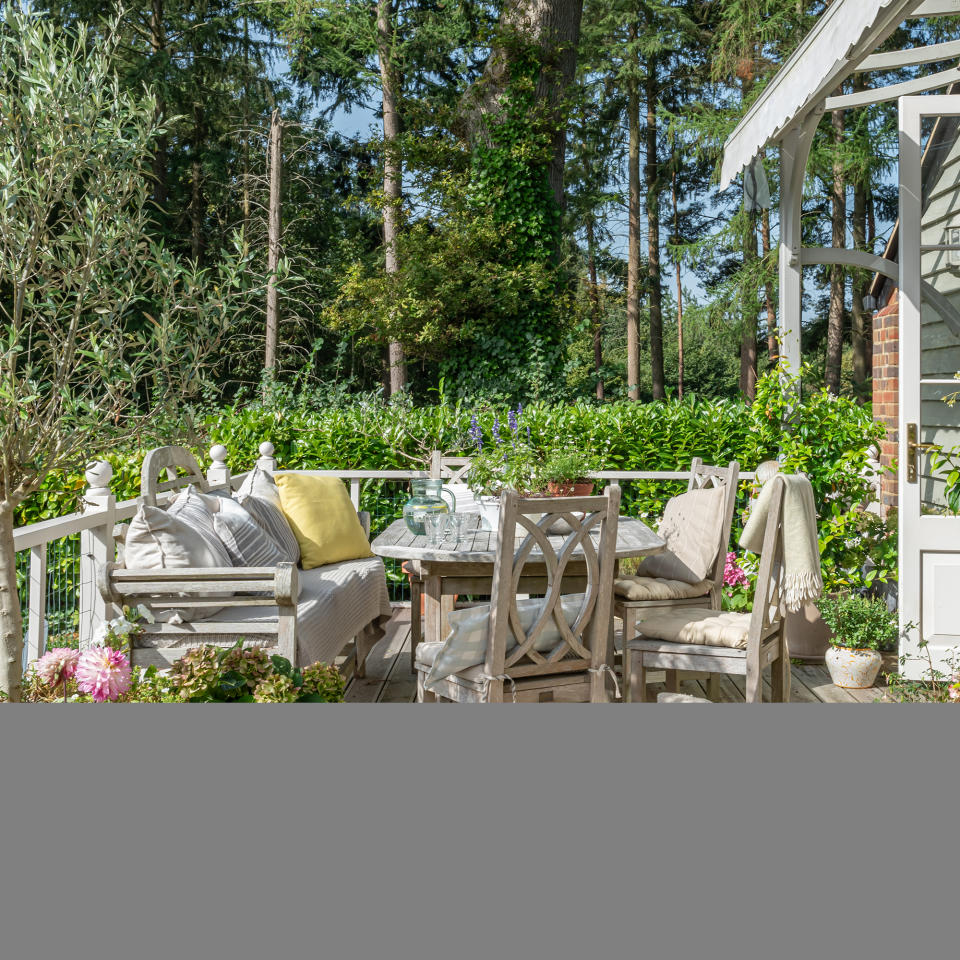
(62, 593)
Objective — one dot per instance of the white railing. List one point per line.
(101, 512)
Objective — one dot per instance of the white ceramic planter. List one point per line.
(489, 513)
(853, 669)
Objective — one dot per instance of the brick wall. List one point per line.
(886, 386)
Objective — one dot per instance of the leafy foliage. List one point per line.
(860, 622)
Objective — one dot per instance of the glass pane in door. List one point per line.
(940, 308)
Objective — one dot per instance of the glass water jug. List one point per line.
(427, 498)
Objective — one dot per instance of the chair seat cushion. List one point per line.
(698, 626)
(656, 588)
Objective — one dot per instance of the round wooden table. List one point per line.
(466, 566)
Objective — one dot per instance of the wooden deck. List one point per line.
(389, 679)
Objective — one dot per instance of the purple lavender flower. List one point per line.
(512, 421)
(476, 434)
(528, 434)
(496, 430)
(519, 410)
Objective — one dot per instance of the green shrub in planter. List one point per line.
(860, 623)
(238, 674)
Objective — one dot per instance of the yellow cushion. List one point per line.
(322, 518)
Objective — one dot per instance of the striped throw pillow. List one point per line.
(246, 541)
(259, 496)
(190, 508)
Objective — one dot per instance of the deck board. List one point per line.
(390, 680)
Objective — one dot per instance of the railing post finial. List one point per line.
(218, 474)
(267, 460)
(98, 475)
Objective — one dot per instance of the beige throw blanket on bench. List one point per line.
(801, 548)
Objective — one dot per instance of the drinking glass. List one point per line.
(435, 524)
(458, 523)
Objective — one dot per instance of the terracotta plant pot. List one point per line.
(808, 637)
(853, 668)
(571, 488)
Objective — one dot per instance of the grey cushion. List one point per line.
(248, 544)
(260, 497)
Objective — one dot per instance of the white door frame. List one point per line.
(929, 546)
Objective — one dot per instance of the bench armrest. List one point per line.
(119, 585)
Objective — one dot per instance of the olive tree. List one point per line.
(100, 327)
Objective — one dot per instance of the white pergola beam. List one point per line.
(936, 8)
(824, 256)
(896, 90)
(913, 57)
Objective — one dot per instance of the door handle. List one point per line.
(914, 447)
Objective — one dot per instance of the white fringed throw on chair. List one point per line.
(801, 549)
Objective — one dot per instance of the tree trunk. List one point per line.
(651, 173)
(748, 336)
(633, 244)
(11, 620)
(837, 276)
(676, 240)
(773, 344)
(275, 153)
(555, 26)
(246, 135)
(749, 299)
(859, 333)
(595, 323)
(392, 172)
(158, 43)
(196, 184)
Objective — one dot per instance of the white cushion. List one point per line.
(691, 527)
(466, 644)
(651, 588)
(697, 625)
(193, 508)
(260, 497)
(158, 540)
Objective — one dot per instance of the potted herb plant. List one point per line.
(565, 473)
(862, 627)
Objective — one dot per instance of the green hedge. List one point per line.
(827, 438)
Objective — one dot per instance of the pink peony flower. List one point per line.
(104, 673)
(57, 665)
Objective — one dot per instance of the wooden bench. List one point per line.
(269, 606)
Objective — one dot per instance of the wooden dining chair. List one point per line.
(704, 639)
(573, 667)
(669, 594)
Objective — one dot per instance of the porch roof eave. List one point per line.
(847, 32)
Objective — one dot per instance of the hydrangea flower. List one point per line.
(104, 673)
(57, 666)
(733, 574)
